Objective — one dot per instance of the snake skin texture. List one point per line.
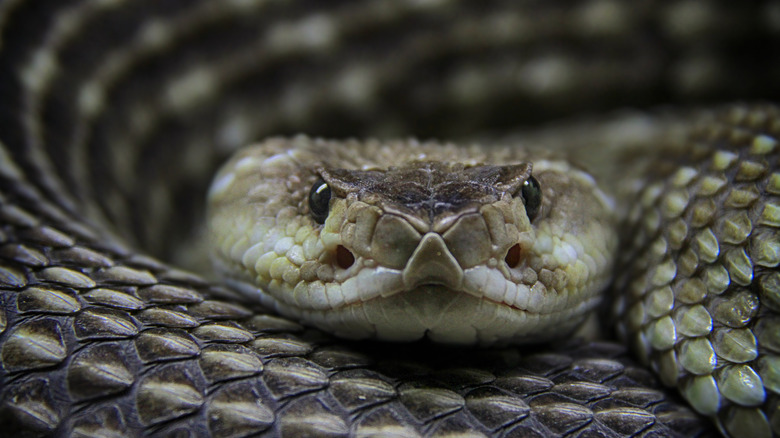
(114, 115)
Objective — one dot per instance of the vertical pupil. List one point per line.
(532, 197)
(319, 201)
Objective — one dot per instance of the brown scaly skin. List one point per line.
(115, 114)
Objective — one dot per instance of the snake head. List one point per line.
(400, 241)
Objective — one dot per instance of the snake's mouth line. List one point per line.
(440, 287)
(442, 314)
(269, 299)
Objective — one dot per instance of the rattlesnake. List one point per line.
(99, 339)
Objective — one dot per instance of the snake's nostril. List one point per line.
(512, 258)
(344, 257)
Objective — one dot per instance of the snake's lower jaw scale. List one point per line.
(442, 315)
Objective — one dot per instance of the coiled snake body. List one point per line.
(116, 113)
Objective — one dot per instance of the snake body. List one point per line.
(116, 113)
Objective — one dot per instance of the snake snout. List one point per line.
(432, 263)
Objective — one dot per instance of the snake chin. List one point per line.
(434, 312)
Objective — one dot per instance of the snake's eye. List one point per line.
(319, 201)
(532, 197)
